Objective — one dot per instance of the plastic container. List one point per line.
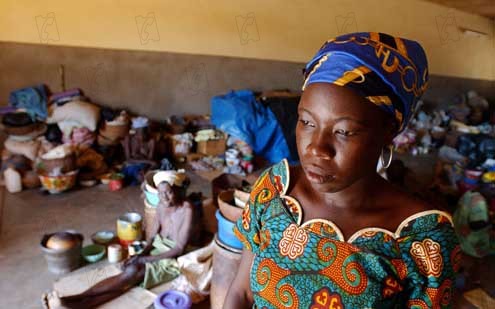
(173, 299)
(13, 181)
(115, 253)
(129, 228)
(226, 233)
(151, 198)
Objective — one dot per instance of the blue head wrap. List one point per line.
(388, 71)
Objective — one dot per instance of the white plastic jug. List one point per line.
(13, 181)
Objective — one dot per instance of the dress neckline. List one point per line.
(299, 212)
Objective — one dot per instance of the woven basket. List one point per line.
(149, 217)
(114, 132)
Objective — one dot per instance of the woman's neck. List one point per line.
(361, 195)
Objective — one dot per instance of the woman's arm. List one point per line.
(240, 294)
(154, 231)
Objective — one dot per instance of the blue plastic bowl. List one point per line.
(173, 300)
(226, 232)
(151, 198)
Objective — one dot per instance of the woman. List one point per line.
(331, 233)
(169, 237)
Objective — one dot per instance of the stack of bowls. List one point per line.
(231, 205)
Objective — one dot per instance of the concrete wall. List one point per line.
(257, 29)
(160, 84)
(163, 57)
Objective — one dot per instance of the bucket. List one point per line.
(129, 228)
(149, 217)
(62, 261)
(225, 232)
(226, 261)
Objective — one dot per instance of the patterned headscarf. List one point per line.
(388, 71)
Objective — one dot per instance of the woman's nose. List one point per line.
(321, 146)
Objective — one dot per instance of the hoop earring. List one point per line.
(391, 150)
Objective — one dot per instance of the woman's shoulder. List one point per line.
(275, 178)
(410, 214)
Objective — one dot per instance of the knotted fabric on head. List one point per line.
(388, 71)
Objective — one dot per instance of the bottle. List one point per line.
(13, 181)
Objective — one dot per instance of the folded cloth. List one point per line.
(163, 270)
(85, 114)
(32, 99)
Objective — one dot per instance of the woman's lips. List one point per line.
(315, 175)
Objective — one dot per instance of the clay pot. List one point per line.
(66, 254)
(227, 207)
(225, 265)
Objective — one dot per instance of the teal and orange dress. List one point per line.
(311, 265)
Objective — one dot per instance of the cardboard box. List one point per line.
(212, 147)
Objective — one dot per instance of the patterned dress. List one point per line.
(310, 265)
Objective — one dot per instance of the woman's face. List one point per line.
(339, 136)
(165, 192)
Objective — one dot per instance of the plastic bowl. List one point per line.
(103, 237)
(93, 253)
(58, 184)
(152, 198)
(226, 233)
(173, 299)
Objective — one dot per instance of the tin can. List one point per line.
(129, 228)
(115, 253)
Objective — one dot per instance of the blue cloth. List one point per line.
(32, 99)
(133, 173)
(390, 72)
(239, 114)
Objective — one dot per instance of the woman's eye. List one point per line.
(306, 123)
(344, 132)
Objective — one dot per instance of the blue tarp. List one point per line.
(239, 114)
